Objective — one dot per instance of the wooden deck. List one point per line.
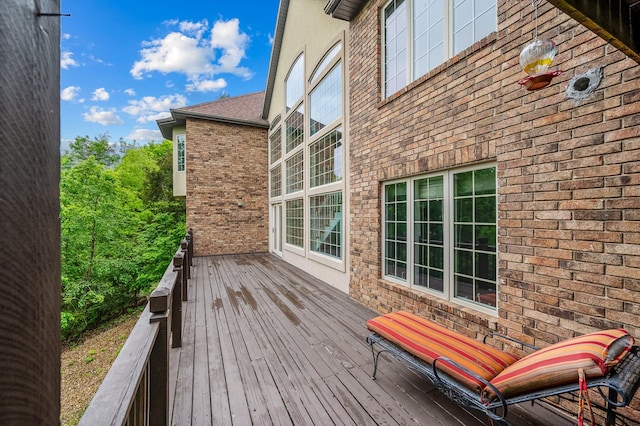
(265, 343)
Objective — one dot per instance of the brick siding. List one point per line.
(227, 165)
(568, 174)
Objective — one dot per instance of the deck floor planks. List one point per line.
(220, 410)
(281, 347)
(247, 351)
(277, 323)
(182, 401)
(201, 405)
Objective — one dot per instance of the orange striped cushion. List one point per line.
(427, 340)
(558, 364)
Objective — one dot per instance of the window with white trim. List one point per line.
(440, 234)
(181, 148)
(294, 85)
(294, 212)
(419, 35)
(307, 161)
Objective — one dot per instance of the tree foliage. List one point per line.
(120, 227)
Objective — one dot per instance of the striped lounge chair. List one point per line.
(478, 375)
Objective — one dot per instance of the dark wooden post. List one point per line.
(159, 303)
(30, 206)
(189, 237)
(187, 262)
(178, 262)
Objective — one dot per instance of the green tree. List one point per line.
(118, 234)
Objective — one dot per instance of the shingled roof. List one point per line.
(244, 110)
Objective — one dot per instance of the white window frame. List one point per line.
(448, 235)
(449, 32)
(181, 139)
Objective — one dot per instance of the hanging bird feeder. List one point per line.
(535, 60)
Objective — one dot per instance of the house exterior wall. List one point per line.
(568, 174)
(179, 177)
(226, 186)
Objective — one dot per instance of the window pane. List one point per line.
(428, 231)
(326, 224)
(463, 184)
(295, 173)
(275, 144)
(486, 238)
(485, 181)
(475, 233)
(485, 209)
(276, 182)
(294, 86)
(295, 128)
(325, 159)
(325, 102)
(428, 36)
(472, 21)
(464, 210)
(335, 50)
(395, 52)
(395, 226)
(181, 145)
(295, 222)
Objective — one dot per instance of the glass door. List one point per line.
(276, 229)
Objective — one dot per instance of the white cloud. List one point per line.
(102, 116)
(226, 35)
(190, 53)
(66, 36)
(130, 92)
(67, 61)
(174, 53)
(197, 29)
(206, 85)
(100, 95)
(150, 108)
(69, 93)
(145, 135)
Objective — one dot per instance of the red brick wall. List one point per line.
(568, 174)
(227, 165)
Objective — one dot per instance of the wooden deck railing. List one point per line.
(136, 389)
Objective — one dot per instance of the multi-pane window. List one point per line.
(474, 239)
(428, 229)
(419, 35)
(395, 236)
(181, 146)
(453, 255)
(295, 222)
(306, 159)
(295, 172)
(325, 159)
(326, 224)
(294, 86)
(325, 101)
(295, 128)
(276, 181)
(275, 146)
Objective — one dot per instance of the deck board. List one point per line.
(265, 343)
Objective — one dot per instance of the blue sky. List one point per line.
(125, 63)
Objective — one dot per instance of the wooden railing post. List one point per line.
(159, 303)
(184, 246)
(179, 293)
(190, 240)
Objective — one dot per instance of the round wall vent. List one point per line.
(583, 85)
